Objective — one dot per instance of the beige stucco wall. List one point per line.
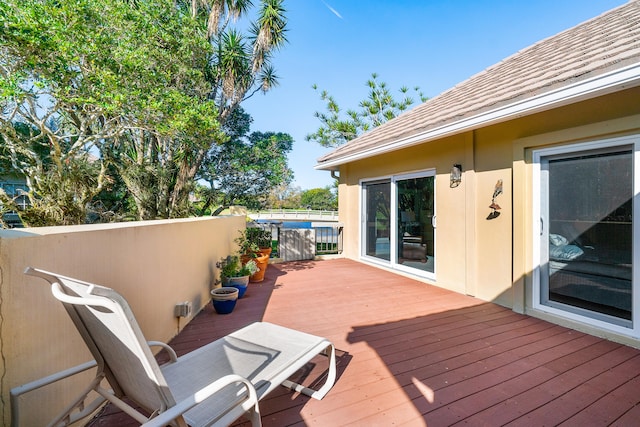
(464, 238)
(490, 259)
(153, 264)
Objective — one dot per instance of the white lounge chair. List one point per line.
(213, 385)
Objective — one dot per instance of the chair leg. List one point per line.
(322, 391)
(78, 405)
(254, 416)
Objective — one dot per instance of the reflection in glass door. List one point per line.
(377, 241)
(414, 201)
(398, 222)
(586, 239)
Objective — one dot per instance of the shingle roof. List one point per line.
(608, 42)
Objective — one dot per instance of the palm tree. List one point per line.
(240, 65)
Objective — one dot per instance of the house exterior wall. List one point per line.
(523, 258)
(153, 264)
(462, 242)
(489, 259)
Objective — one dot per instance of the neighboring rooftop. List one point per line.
(602, 45)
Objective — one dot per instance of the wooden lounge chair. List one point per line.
(213, 385)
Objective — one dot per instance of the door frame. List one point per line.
(538, 251)
(393, 238)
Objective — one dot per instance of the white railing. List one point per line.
(290, 243)
(295, 214)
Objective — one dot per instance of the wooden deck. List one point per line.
(415, 355)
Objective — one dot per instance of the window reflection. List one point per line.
(378, 220)
(590, 232)
(415, 223)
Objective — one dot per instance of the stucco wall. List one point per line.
(464, 238)
(153, 264)
(475, 255)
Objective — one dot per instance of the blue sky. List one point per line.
(434, 44)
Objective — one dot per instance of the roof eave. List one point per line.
(614, 81)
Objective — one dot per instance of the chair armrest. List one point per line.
(172, 354)
(50, 379)
(199, 396)
(83, 409)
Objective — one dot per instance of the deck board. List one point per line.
(411, 354)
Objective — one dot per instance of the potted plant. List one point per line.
(255, 243)
(224, 299)
(262, 262)
(247, 247)
(236, 274)
(261, 237)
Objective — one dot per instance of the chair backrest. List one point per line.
(107, 325)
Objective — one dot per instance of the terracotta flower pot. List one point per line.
(266, 251)
(262, 261)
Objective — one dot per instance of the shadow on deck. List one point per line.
(416, 355)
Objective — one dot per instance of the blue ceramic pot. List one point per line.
(241, 289)
(240, 283)
(224, 307)
(224, 299)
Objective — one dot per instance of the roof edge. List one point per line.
(622, 78)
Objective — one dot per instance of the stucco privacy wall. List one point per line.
(475, 255)
(153, 264)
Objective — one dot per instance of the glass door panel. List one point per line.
(587, 217)
(377, 217)
(415, 231)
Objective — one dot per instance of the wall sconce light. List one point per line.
(456, 175)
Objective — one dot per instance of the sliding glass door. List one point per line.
(377, 228)
(586, 232)
(415, 231)
(399, 222)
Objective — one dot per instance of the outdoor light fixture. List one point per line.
(456, 175)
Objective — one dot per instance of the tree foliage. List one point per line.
(338, 127)
(319, 199)
(144, 85)
(244, 169)
(81, 78)
(240, 65)
(284, 196)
